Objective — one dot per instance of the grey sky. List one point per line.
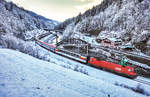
(57, 9)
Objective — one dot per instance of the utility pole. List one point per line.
(56, 39)
(87, 50)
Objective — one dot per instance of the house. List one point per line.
(110, 42)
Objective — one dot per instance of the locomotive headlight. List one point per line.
(129, 70)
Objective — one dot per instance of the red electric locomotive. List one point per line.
(121, 68)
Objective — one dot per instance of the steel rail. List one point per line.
(142, 81)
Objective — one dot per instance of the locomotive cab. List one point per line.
(128, 67)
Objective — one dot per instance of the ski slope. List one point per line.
(24, 76)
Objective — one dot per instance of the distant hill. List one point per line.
(16, 20)
(128, 19)
(43, 18)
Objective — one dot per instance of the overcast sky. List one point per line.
(57, 9)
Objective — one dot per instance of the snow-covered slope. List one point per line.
(25, 76)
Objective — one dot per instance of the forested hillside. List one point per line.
(125, 19)
(19, 26)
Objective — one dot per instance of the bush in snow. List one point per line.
(80, 69)
(139, 88)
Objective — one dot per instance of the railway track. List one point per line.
(142, 81)
(129, 54)
(125, 52)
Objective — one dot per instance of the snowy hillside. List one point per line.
(19, 26)
(24, 76)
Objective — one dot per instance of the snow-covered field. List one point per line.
(24, 76)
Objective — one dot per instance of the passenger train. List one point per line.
(122, 68)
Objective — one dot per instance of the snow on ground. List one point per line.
(25, 76)
(99, 74)
(91, 40)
